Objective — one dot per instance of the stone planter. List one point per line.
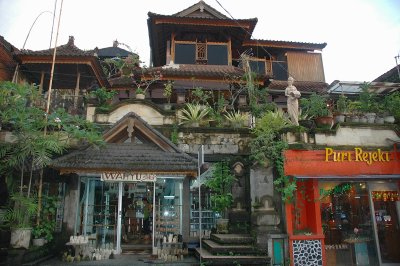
(389, 119)
(167, 106)
(140, 96)
(363, 119)
(222, 226)
(370, 117)
(38, 242)
(324, 121)
(379, 120)
(340, 118)
(21, 237)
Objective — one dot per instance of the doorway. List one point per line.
(149, 211)
(386, 209)
(137, 214)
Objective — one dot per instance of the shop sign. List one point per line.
(128, 177)
(358, 155)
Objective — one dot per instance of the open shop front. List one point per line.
(346, 209)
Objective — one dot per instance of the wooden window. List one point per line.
(217, 54)
(185, 53)
(201, 51)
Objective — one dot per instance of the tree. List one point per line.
(37, 136)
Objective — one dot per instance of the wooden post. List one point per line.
(41, 83)
(76, 94)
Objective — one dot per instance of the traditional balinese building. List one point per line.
(149, 154)
(7, 62)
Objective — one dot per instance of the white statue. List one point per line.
(292, 101)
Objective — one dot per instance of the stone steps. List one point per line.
(231, 249)
(240, 239)
(207, 257)
(215, 248)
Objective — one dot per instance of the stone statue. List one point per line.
(292, 101)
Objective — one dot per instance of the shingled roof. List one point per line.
(285, 44)
(158, 155)
(120, 157)
(68, 49)
(302, 86)
(188, 71)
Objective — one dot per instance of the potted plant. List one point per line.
(368, 102)
(193, 114)
(44, 231)
(316, 106)
(168, 93)
(236, 119)
(103, 96)
(139, 93)
(221, 198)
(19, 218)
(216, 117)
(392, 107)
(341, 108)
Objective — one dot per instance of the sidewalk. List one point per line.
(125, 260)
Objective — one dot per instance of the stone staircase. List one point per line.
(231, 249)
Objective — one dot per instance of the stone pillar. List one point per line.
(264, 217)
(186, 209)
(70, 204)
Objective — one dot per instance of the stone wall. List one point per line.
(216, 142)
(358, 136)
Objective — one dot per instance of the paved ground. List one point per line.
(125, 260)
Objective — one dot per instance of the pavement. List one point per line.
(125, 260)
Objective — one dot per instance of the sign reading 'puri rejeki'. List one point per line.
(128, 177)
(358, 155)
(331, 162)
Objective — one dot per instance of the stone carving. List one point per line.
(307, 252)
(292, 95)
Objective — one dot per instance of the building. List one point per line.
(150, 155)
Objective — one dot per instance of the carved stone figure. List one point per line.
(292, 95)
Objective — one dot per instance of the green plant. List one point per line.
(193, 113)
(267, 146)
(168, 90)
(37, 136)
(221, 184)
(103, 95)
(315, 106)
(139, 91)
(22, 211)
(342, 104)
(201, 96)
(368, 99)
(174, 134)
(392, 104)
(47, 226)
(236, 119)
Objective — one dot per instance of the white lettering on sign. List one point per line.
(128, 177)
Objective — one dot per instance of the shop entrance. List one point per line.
(137, 211)
(386, 207)
(129, 216)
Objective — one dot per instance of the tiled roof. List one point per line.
(187, 71)
(113, 52)
(302, 86)
(201, 5)
(236, 22)
(126, 157)
(68, 49)
(285, 44)
(391, 75)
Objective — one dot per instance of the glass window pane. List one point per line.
(185, 53)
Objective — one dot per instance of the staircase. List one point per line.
(231, 249)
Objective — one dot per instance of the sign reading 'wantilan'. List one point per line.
(128, 177)
(358, 155)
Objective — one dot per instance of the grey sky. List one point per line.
(363, 36)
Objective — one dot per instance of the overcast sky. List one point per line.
(362, 36)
